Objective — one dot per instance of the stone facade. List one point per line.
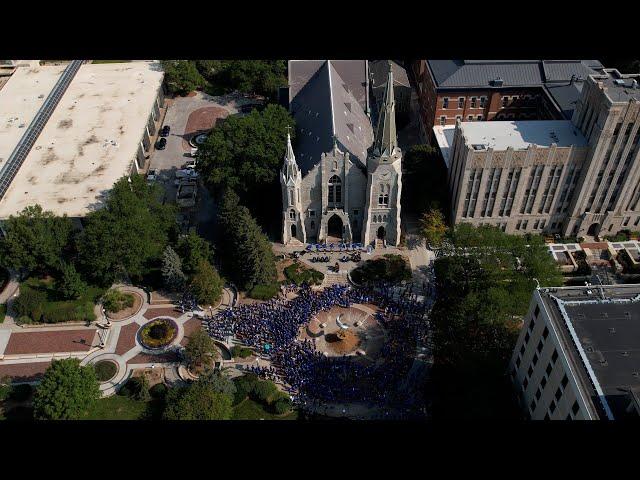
(587, 184)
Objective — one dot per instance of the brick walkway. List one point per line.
(190, 327)
(127, 338)
(50, 342)
(24, 372)
(161, 312)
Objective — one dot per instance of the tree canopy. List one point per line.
(433, 227)
(174, 278)
(262, 77)
(182, 76)
(35, 239)
(67, 389)
(200, 349)
(484, 288)
(193, 249)
(197, 401)
(246, 250)
(131, 230)
(206, 284)
(245, 153)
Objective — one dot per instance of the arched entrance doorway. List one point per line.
(594, 229)
(294, 230)
(381, 233)
(334, 228)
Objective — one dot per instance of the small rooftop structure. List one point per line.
(89, 142)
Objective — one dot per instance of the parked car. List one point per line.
(190, 165)
(164, 132)
(186, 195)
(162, 143)
(152, 175)
(189, 173)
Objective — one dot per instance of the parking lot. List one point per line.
(188, 116)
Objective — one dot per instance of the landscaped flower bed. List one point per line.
(158, 333)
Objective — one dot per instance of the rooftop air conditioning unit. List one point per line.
(498, 82)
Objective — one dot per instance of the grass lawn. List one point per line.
(251, 410)
(116, 407)
(56, 309)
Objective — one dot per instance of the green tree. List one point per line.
(220, 383)
(197, 401)
(250, 76)
(128, 233)
(433, 227)
(35, 239)
(67, 389)
(245, 153)
(206, 284)
(247, 250)
(174, 278)
(182, 76)
(201, 350)
(193, 249)
(71, 284)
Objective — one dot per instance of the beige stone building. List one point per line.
(576, 356)
(578, 177)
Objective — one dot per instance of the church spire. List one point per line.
(386, 140)
(290, 168)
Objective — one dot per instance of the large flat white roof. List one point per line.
(20, 99)
(521, 134)
(90, 140)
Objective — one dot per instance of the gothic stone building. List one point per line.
(343, 183)
(578, 177)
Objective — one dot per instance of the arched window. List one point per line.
(290, 197)
(292, 214)
(335, 190)
(335, 164)
(313, 225)
(384, 218)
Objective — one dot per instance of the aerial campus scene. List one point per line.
(315, 240)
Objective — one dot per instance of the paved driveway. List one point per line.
(175, 154)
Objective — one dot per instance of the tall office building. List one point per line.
(578, 177)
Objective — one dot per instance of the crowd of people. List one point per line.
(272, 329)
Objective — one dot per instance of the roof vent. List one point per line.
(634, 83)
(498, 82)
(619, 82)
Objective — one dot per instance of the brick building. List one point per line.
(477, 90)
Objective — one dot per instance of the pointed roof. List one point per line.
(290, 168)
(386, 140)
(326, 108)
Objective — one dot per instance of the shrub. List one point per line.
(244, 385)
(263, 391)
(299, 274)
(390, 268)
(241, 352)
(264, 292)
(24, 320)
(281, 406)
(206, 284)
(3, 312)
(136, 388)
(158, 391)
(71, 285)
(115, 300)
(30, 303)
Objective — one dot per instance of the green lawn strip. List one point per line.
(251, 410)
(116, 407)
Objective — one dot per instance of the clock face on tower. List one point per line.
(385, 175)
